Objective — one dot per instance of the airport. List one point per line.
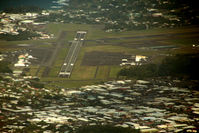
(71, 57)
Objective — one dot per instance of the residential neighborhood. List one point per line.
(125, 15)
(116, 16)
(14, 24)
(155, 105)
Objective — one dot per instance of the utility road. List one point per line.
(72, 55)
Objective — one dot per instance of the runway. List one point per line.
(72, 55)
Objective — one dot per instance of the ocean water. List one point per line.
(47, 4)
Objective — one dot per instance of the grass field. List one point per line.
(103, 72)
(40, 71)
(33, 70)
(113, 72)
(97, 32)
(34, 42)
(83, 75)
(83, 72)
(72, 83)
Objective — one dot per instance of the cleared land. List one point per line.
(99, 58)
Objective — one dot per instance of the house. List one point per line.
(139, 58)
(19, 65)
(150, 130)
(27, 21)
(157, 14)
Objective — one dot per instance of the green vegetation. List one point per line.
(58, 62)
(37, 84)
(68, 83)
(83, 72)
(4, 67)
(9, 45)
(32, 70)
(103, 72)
(122, 15)
(83, 75)
(95, 31)
(114, 71)
(23, 35)
(54, 71)
(185, 41)
(184, 66)
(41, 70)
(32, 127)
(105, 129)
(60, 57)
(90, 74)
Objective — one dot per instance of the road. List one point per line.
(71, 57)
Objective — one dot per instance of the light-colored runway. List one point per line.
(72, 55)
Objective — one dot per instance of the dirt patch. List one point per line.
(96, 58)
(42, 55)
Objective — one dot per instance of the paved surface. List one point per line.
(71, 57)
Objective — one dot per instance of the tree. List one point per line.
(4, 67)
(105, 129)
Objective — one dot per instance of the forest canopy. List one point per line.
(178, 65)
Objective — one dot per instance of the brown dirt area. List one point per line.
(42, 55)
(96, 58)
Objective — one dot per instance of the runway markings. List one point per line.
(72, 55)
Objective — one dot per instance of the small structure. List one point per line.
(64, 74)
(134, 60)
(139, 58)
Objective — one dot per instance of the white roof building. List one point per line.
(138, 58)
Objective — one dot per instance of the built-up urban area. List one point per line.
(124, 15)
(155, 105)
(20, 26)
(115, 15)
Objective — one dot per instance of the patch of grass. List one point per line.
(36, 42)
(103, 72)
(125, 50)
(13, 45)
(33, 70)
(185, 41)
(186, 50)
(83, 72)
(71, 28)
(58, 62)
(60, 58)
(41, 71)
(94, 31)
(136, 40)
(90, 43)
(88, 72)
(114, 71)
(54, 71)
(72, 83)
(46, 79)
